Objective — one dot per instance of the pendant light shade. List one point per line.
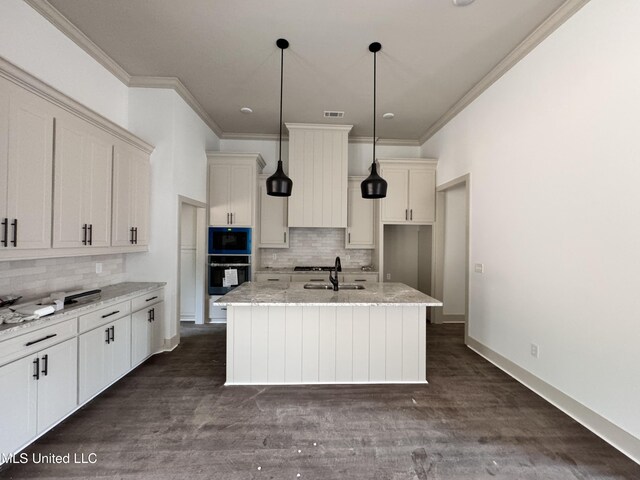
(278, 184)
(374, 186)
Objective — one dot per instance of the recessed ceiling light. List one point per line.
(246, 110)
(462, 3)
(388, 116)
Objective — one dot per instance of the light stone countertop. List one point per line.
(294, 294)
(109, 294)
(290, 271)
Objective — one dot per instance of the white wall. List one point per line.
(178, 167)
(455, 245)
(359, 153)
(32, 43)
(553, 149)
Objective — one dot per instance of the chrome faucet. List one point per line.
(334, 280)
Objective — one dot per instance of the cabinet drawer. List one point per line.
(147, 299)
(272, 277)
(104, 315)
(359, 277)
(216, 311)
(317, 277)
(37, 340)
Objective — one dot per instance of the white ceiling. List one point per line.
(224, 52)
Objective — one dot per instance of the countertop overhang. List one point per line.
(294, 294)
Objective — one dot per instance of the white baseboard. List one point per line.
(171, 343)
(608, 431)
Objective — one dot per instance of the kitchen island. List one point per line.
(282, 333)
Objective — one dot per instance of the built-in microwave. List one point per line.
(229, 241)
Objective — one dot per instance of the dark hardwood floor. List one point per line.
(172, 418)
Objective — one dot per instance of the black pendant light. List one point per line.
(374, 186)
(278, 184)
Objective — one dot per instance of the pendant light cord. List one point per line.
(281, 86)
(374, 108)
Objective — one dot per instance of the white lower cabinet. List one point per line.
(41, 382)
(146, 332)
(105, 355)
(37, 391)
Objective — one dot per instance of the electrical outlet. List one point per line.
(479, 268)
(274, 256)
(348, 257)
(98, 268)
(535, 352)
(388, 276)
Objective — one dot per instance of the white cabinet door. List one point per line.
(18, 397)
(274, 232)
(157, 322)
(4, 156)
(141, 187)
(242, 184)
(121, 234)
(57, 386)
(69, 221)
(131, 189)
(360, 218)
(29, 171)
(140, 336)
(118, 350)
(97, 194)
(219, 185)
(422, 195)
(93, 356)
(394, 206)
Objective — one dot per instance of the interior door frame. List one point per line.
(439, 246)
(202, 304)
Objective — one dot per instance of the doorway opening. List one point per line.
(192, 304)
(451, 252)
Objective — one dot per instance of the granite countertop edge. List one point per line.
(114, 293)
(291, 271)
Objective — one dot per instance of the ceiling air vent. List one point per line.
(333, 114)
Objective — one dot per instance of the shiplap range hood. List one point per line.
(318, 166)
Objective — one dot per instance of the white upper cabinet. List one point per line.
(26, 169)
(131, 189)
(361, 217)
(318, 167)
(232, 188)
(411, 191)
(274, 232)
(82, 185)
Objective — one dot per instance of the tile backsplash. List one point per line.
(37, 278)
(315, 246)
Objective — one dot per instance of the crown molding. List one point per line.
(34, 85)
(546, 28)
(557, 18)
(176, 84)
(390, 142)
(48, 11)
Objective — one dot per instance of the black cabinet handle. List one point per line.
(349, 240)
(36, 362)
(84, 234)
(317, 280)
(109, 314)
(45, 365)
(5, 234)
(131, 239)
(91, 234)
(411, 214)
(153, 314)
(40, 340)
(135, 235)
(273, 279)
(152, 298)
(406, 214)
(113, 333)
(108, 339)
(14, 224)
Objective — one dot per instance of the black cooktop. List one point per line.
(312, 269)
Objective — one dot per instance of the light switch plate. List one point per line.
(479, 268)
(98, 267)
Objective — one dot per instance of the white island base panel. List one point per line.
(293, 345)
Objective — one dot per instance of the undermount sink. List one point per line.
(328, 286)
